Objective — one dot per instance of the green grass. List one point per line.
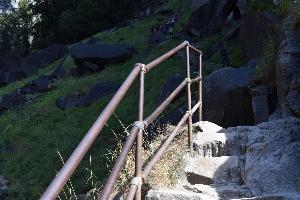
(282, 9)
(40, 129)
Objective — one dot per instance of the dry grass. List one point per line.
(166, 171)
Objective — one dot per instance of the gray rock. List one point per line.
(288, 73)
(58, 72)
(156, 38)
(230, 191)
(7, 78)
(272, 158)
(12, 68)
(41, 84)
(175, 194)
(169, 86)
(46, 56)
(256, 28)
(292, 102)
(261, 163)
(260, 107)
(3, 187)
(94, 57)
(227, 100)
(13, 100)
(293, 42)
(93, 95)
(209, 15)
(213, 170)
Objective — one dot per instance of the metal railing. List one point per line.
(136, 133)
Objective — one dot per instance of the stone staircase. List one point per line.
(214, 170)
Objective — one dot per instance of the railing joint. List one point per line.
(137, 181)
(188, 80)
(190, 113)
(143, 67)
(142, 125)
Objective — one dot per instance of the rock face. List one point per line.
(288, 74)
(209, 15)
(256, 28)
(170, 85)
(245, 162)
(272, 156)
(3, 187)
(93, 94)
(11, 101)
(13, 67)
(94, 57)
(41, 84)
(46, 56)
(260, 104)
(227, 100)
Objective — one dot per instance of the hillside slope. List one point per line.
(32, 136)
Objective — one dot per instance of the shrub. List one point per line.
(265, 70)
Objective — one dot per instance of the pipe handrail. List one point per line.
(74, 160)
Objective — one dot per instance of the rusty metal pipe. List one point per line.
(195, 80)
(166, 144)
(167, 101)
(166, 55)
(164, 147)
(69, 167)
(131, 193)
(119, 164)
(194, 109)
(200, 88)
(189, 98)
(139, 139)
(195, 49)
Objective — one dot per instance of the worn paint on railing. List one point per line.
(136, 132)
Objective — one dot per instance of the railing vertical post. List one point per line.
(189, 97)
(139, 139)
(200, 88)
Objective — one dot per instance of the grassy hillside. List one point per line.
(40, 129)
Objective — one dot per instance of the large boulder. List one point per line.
(260, 104)
(7, 78)
(46, 56)
(272, 156)
(12, 68)
(10, 101)
(288, 73)
(92, 95)
(227, 97)
(209, 16)
(257, 28)
(3, 187)
(94, 57)
(41, 84)
(169, 86)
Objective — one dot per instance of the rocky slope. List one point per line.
(255, 162)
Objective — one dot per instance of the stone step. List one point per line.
(218, 144)
(229, 191)
(209, 144)
(288, 196)
(199, 192)
(172, 194)
(213, 170)
(208, 127)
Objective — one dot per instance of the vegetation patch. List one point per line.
(265, 70)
